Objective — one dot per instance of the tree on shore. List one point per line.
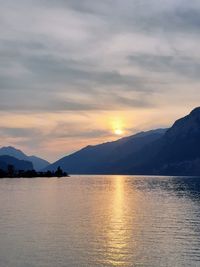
(59, 172)
(12, 173)
(10, 170)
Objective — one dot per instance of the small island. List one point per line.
(12, 173)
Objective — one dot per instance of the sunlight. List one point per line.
(118, 131)
(117, 238)
(118, 126)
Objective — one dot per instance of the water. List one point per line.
(100, 221)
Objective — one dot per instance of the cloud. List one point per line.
(18, 132)
(90, 57)
(178, 65)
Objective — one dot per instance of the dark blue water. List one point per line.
(100, 221)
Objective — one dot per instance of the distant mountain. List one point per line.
(18, 164)
(38, 163)
(13, 152)
(102, 158)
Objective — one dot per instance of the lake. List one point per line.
(100, 221)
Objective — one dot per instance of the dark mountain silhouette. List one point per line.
(175, 151)
(5, 161)
(38, 163)
(102, 158)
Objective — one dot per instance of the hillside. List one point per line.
(38, 163)
(173, 151)
(18, 164)
(100, 158)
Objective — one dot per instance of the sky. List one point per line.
(80, 72)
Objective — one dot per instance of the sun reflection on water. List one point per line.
(117, 237)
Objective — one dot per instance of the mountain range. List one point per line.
(36, 162)
(17, 163)
(173, 151)
(106, 157)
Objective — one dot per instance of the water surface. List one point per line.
(100, 221)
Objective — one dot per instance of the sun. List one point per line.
(117, 126)
(118, 131)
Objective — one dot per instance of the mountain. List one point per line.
(173, 151)
(18, 164)
(13, 152)
(38, 163)
(102, 158)
(176, 153)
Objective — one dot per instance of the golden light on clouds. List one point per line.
(118, 126)
(54, 134)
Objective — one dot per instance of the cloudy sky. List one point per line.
(73, 71)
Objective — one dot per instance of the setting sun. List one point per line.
(117, 125)
(118, 131)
